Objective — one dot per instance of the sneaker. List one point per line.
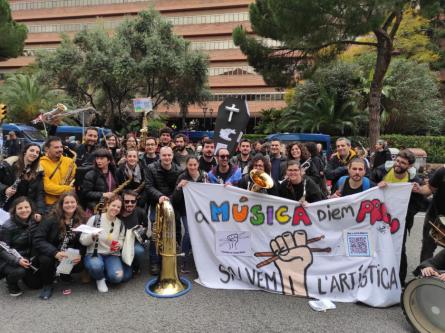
(46, 293)
(14, 290)
(155, 269)
(102, 286)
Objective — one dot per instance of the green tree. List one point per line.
(314, 30)
(26, 97)
(269, 122)
(92, 67)
(142, 59)
(168, 70)
(12, 34)
(411, 41)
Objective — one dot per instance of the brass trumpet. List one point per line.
(261, 180)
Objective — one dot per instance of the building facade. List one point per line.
(207, 24)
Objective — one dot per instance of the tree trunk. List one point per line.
(384, 51)
(184, 111)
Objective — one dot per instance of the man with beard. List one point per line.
(337, 165)
(402, 172)
(207, 161)
(58, 170)
(150, 156)
(165, 137)
(224, 172)
(160, 183)
(243, 159)
(134, 218)
(85, 151)
(356, 181)
(181, 151)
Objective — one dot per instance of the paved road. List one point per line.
(128, 309)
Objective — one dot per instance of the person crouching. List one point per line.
(55, 237)
(103, 256)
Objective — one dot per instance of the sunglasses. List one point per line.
(224, 156)
(130, 201)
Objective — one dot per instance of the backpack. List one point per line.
(341, 183)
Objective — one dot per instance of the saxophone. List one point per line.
(70, 178)
(100, 206)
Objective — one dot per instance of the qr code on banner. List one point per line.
(358, 244)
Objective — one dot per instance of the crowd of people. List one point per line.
(50, 193)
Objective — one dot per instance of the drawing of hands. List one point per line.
(294, 257)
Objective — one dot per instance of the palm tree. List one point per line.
(26, 97)
(325, 114)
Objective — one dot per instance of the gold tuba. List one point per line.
(261, 180)
(164, 236)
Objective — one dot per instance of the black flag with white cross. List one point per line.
(231, 123)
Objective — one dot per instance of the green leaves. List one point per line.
(12, 34)
(142, 59)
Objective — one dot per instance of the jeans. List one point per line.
(109, 267)
(186, 244)
(138, 254)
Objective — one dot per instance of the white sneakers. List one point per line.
(102, 286)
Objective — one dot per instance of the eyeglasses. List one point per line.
(223, 157)
(130, 201)
(293, 170)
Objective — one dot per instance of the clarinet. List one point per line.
(15, 253)
(67, 237)
(14, 187)
(100, 206)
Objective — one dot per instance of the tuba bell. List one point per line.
(261, 180)
(164, 235)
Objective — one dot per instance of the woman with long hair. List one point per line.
(55, 237)
(16, 235)
(103, 254)
(134, 169)
(190, 174)
(111, 142)
(261, 163)
(22, 176)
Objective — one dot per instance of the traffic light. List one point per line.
(3, 110)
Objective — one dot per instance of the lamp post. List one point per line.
(204, 110)
(211, 119)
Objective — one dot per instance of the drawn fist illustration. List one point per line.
(294, 257)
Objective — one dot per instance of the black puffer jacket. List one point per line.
(47, 239)
(94, 185)
(18, 235)
(178, 195)
(313, 192)
(32, 189)
(122, 177)
(159, 182)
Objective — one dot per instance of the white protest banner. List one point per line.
(345, 249)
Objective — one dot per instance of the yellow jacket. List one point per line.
(55, 186)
